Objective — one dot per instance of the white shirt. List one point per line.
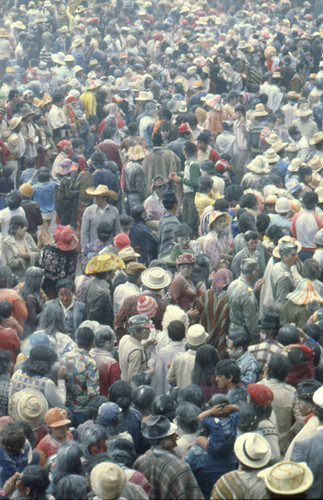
(121, 293)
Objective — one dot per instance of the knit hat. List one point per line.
(26, 190)
(260, 394)
(304, 293)
(121, 241)
(147, 305)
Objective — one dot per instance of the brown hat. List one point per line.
(26, 190)
(56, 417)
(135, 268)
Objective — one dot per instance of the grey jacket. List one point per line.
(73, 317)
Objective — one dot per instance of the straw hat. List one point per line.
(77, 42)
(196, 335)
(197, 84)
(317, 138)
(303, 110)
(216, 214)
(28, 405)
(260, 110)
(319, 192)
(282, 205)
(287, 478)
(127, 254)
(294, 165)
(270, 199)
(181, 79)
(14, 122)
(144, 96)
(59, 58)
(271, 156)
(104, 263)
(286, 239)
(316, 163)
(292, 95)
(259, 165)
(156, 278)
(19, 25)
(252, 450)
(102, 190)
(272, 139)
(292, 147)
(304, 293)
(135, 268)
(108, 480)
(3, 33)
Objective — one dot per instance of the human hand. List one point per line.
(11, 484)
(289, 347)
(259, 284)
(24, 255)
(62, 373)
(193, 314)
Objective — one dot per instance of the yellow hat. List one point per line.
(104, 263)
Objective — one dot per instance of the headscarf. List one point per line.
(222, 278)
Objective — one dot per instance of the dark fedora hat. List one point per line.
(159, 427)
(306, 389)
(170, 195)
(269, 322)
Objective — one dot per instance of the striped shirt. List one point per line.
(166, 231)
(239, 484)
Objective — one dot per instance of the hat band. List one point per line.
(247, 454)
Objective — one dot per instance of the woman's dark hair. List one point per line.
(28, 431)
(40, 361)
(187, 417)
(288, 334)
(313, 330)
(36, 479)
(221, 205)
(14, 200)
(233, 192)
(251, 414)
(104, 231)
(6, 277)
(123, 451)
(73, 487)
(176, 330)
(164, 405)
(5, 308)
(206, 360)
(303, 171)
(52, 319)
(262, 222)
(33, 281)
(141, 378)
(246, 222)
(6, 359)
(183, 230)
(120, 392)
(190, 148)
(143, 398)
(43, 174)
(68, 461)
(102, 335)
(278, 367)
(193, 394)
(228, 368)
(15, 223)
(274, 233)
(296, 357)
(12, 437)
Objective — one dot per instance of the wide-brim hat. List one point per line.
(181, 79)
(292, 95)
(102, 190)
(26, 110)
(156, 278)
(271, 155)
(196, 335)
(216, 214)
(127, 254)
(14, 122)
(28, 405)
(108, 480)
(316, 163)
(144, 96)
(287, 478)
(37, 338)
(269, 322)
(272, 139)
(304, 293)
(259, 165)
(67, 167)
(279, 146)
(103, 263)
(317, 138)
(18, 25)
(295, 165)
(304, 110)
(292, 147)
(319, 192)
(186, 258)
(260, 110)
(65, 238)
(158, 427)
(286, 239)
(252, 450)
(58, 58)
(76, 42)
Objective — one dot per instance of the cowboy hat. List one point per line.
(14, 122)
(287, 478)
(3, 33)
(28, 405)
(181, 79)
(156, 278)
(159, 427)
(286, 239)
(59, 58)
(144, 96)
(294, 165)
(317, 138)
(252, 450)
(104, 263)
(102, 190)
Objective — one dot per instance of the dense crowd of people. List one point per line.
(161, 211)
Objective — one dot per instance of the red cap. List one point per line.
(221, 166)
(183, 128)
(260, 394)
(121, 241)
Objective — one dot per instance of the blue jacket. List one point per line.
(9, 464)
(44, 196)
(145, 240)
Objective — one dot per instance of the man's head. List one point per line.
(176, 330)
(237, 344)
(278, 367)
(139, 326)
(104, 338)
(203, 141)
(84, 338)
(288, 253)
(249, 269)
(170, 201)
(227, 373)
(305, 392)
(160, 432)
(269, 327)
(251, 239)
(189, 149)
(65, 289)
(310, 200)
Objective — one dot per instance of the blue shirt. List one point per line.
(44, 196)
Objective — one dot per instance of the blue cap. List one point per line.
(109, 414)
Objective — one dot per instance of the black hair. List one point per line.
(310, 200)
(278, 367)
(164, 405)
(302, 172)
(104, 231)
(311, 269)
(133, 129)
(240, 339)
(288, 334)
(204, 369)
(73, 487)
(84, 337)
(125, 220)
(190, 148)
(205, 183)
(40, 361)
(15, 223)
(52, 319)
(274, 233)
(43, 174)
(6, 359)
(102, 335)
(141, 378)
(296, 357)
(221, 205)
(203, 137)
(7, 171)
(65, 283)
(187, 417)
(29, 162)
(92, 409)
(143, 397)
(228, 368)
(183, 230)
(313, 330)
(262, 222)
(248, 200)
(58, 96)
(193, 394)
(36, 479)
(233, 192)
(169, 204)
(12, 436)
(137, 212)
(68, 461)
(246, 222)
(14, 200)
(176, 330)
(120, 392)
(33, 282)
(5, 308)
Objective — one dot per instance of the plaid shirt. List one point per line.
(262, 352)
(82, 382)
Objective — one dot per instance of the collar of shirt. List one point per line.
(65, 309)
(102, 210)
